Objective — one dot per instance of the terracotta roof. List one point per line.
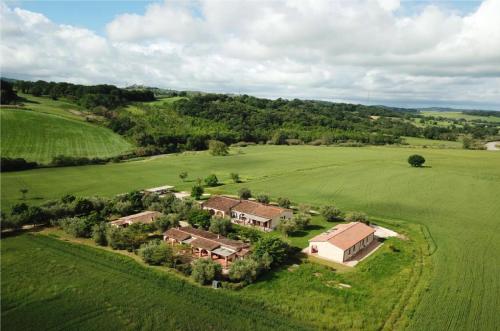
(258, 209)
(212, 237)
(176, 234)
(221, 203)
(345, 236)
(204, 244)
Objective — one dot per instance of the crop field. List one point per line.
(39, 136)
(454, 199)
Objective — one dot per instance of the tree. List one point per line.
(220, 225)
(244, 270)
(197, 192)
(183, 175)
(301, 220)
(284, 202)
(279, 138)
(129, 238)
(466, 142)
(331, 213)
(263, 198)
(416, 160)
(204, 271)
(156, 253)
(165, 222)
(212, 180)
(244, 193)
(199, 218)
(235, 177)
(274, 247)
(99, 234)
(83, 206)
(23, 192)
(356, 216)
(217, 148)
(287, 226)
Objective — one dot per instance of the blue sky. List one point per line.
(391, 52)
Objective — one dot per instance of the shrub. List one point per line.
(220, 225)
(275, 248)
(331, 213)
(263, 198)
(76, 226)
(183, 175)
(235, 177)
(217, 148)
(197, 191)
(129, 238)
(244, 193)
(186, 269)
(356, 216)
(244, 270)
(284, 202)
(416, 160)
(156, 253)
(199, 218)
(99, 234)
(204, 271)
(301, 220)
(287, 226)
(166, 222)
(212, 180)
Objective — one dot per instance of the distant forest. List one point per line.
(193, 119)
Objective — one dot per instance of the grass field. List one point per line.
(455, 199)
(414, 141)
(457, 115)
(39, 136)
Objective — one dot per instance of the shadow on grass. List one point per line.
(24, 100)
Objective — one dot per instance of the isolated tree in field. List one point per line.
(331, 213)
(284, 202)
(356, 216)
(235, 177)
(416, 160)
(212, 180)
(204, 271)
(24, 191)
(197, 192)
(244, 193)
(183, 175)
(263, 198)
(220, 225)
(287, 226)
(217, 148)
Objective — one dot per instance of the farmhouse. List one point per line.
(146, 217)
(248, 213)
(206, 244)
(342, 242)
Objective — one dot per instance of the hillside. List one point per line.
(39, 136)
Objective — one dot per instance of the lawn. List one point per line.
(39, 136)
(414, 141)
(455, 199)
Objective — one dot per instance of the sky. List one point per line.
(391, 52)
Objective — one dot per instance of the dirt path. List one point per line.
(492, 146)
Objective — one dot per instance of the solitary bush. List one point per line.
(416, 160)
(204, 271)
(235, 177)
(244, 193)
(183, 175)
(217, 148)
(287, 226)
(331, 213)
(212, 180)
(263, 198)
(356, 216)
(156, 253)
(301, 220)
(197, 191)
(284, 202)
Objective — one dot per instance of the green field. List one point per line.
(455, 198)
(39, 136)
(457, 115)
(414, 141)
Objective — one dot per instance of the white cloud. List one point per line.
(342, 50)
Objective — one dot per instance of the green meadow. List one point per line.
(453, 200)
(457, 115)
(39, 136)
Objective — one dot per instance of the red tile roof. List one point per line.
(221, 203)
(206, 235)
(345, 236)
(143, 217)
(258, 209)
(176, 234)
